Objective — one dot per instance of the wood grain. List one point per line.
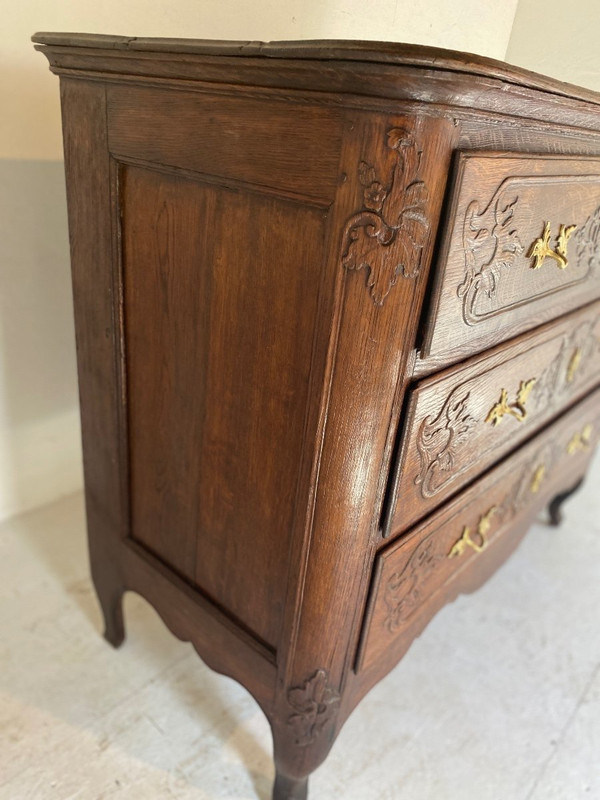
(251, 142)
(450, 435)
(266, 250)
(218, 382)
(486, 288)
(412, 571)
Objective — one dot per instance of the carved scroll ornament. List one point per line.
(387, 236)
(490, 245)
(440, 439)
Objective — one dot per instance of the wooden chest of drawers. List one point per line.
(338, 330)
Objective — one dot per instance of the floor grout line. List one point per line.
(93, 723)
(564, 731)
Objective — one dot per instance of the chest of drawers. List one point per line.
(338, 331)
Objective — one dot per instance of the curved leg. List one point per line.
(555, 506)
(109, 591)
(304, 729)
(289, 788)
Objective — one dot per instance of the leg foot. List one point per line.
(110, 597)
(289, 789)
(555, 507)
(114, 628)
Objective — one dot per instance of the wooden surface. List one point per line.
(452, 433)
(486, 285)
(410, 573)
(327, 49)
(213, 449)
(263, 238)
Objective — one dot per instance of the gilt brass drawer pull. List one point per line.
(459, 547)
(580, 440)
(538, 478)
(540, 250)
(574, 364)
(516, 409)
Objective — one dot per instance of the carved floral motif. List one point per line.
(578, 355)
(490, 245)
(440, 438)
(587, 241)
(387, 236)
(403, 591)
(315, 704)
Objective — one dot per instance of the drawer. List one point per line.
(415, 574)
(522, 246)
(462, 420)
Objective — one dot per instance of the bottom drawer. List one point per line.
(413, 574)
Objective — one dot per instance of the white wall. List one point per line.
(39, 435)
(558, 38)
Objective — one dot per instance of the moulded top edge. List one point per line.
(401, 54)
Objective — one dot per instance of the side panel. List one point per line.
(220, 303)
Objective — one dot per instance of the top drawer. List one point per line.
(522, 246)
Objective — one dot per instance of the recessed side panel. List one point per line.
(220, 304)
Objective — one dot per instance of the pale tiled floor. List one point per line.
(498, 700)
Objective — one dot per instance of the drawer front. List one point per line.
(462, 420)
(522, 246)
(413, 574)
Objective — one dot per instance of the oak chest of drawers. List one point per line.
(338, 330)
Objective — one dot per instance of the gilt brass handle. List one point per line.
(574, 365)
(516, 409)
(580, 440)
(540, 250)
(538, 478)
(465, 540)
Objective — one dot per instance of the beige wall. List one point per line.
(39, 434)
(558, 38)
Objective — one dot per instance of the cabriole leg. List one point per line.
(110, 596)
(555, 507)
(290, 788)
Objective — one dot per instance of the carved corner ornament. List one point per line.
(315, 704)
(387, 235)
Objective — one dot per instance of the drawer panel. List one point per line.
(462, 420)
(414, 574)
(522, 246)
